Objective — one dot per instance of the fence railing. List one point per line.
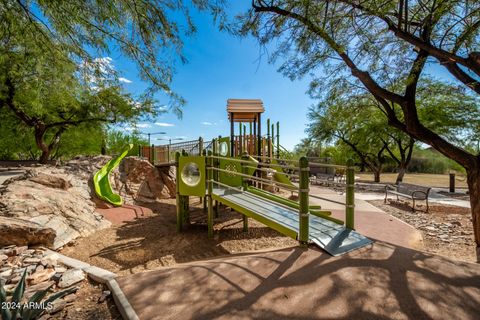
(165, 154)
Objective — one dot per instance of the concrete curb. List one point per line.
(105, 277)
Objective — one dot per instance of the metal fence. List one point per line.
(165, 154)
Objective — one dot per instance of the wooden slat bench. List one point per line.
(407, 190)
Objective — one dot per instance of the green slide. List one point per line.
(103, 189)
(279, 175)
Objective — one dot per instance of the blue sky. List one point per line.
(221, 66)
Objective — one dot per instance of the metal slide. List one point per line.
(103, 189)
(334, 238)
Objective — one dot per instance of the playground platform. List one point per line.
(382, 282)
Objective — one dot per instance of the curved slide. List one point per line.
(103, 189)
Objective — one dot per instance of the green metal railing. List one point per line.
(301, 171)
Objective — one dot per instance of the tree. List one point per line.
(376, 41)
(354, 123)
(116, 141)
(308, 147)
(147, 32)
(45, 93)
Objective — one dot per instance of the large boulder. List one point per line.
(138, 180)
(31, 233)
(62, 200)
(51, 198)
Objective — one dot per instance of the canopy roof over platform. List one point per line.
(244, 110)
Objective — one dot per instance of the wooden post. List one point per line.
(232, 135)
(259, 150)
(245, 145)
(200, 146)
(452, 182)
(240, 147)
(152, 154)
(350, 196)
(303, 227)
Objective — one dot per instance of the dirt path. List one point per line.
(152, 241)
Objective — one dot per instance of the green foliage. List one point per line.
(430, 161)
(150, 33)
(86, 139)
(117, 140)
(24, 310)
(17, 141)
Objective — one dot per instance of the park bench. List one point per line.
(410, 191)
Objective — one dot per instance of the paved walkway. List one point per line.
(125, 213)
(378, 282)
(370, 221)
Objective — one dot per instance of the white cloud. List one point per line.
(143, 125)
(164, 124)
(129, 128)
(206, 123)
(124, 80)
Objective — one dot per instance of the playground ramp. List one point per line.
(331, 237)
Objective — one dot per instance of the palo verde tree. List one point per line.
(372, 40)
(354, 124)
(51, 78)
(147, 32)
(45, 93)
(358, 121)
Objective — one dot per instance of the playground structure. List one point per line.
(224, 172)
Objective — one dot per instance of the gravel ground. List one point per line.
(152, 241)
(447, 230)
(89, 304)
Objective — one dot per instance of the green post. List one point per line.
(178, 197)
(244, 185)
(210, 201)
(278, 139)
(268, 138)
(139, 150)
(273, 141)
(303, 195)
(350, 196)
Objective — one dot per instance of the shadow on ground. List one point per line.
(381, 282)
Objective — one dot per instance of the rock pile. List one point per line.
(47, 198)
(52, 206)
(43, 271)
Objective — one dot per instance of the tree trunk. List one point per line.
(44, 157)
(376, 175)
(401, 173)
(39, 140)
(473, 180)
